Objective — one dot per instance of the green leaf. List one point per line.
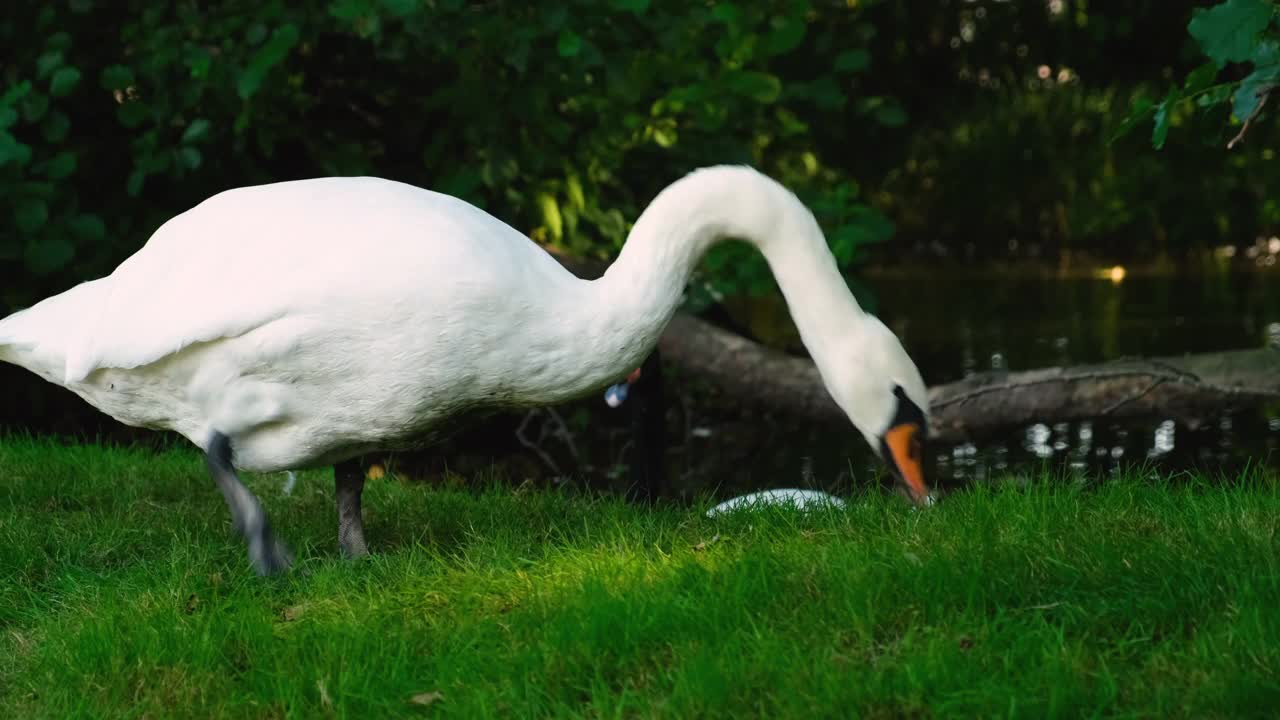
(1141, 109)
(1160, 130)
(49, 255)
(551, 216)
(1249, 94)
(48, 62)
(759, 86)
(134, 185)
(636, 6)
(8, 116)
(88, 227)
(1229, 32)
(787, 34)
(61, 165)
(64, 80)
(1265, 77)
(115, 77)
(31, 215)
(133, 113)
(196, 131)
(569, 44)
(1213, 97)
(271, 54)
(190, 157)
(12, 151)
(1200, 78)
(15, 93)
(852, 61)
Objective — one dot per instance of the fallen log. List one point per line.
(1189, 388)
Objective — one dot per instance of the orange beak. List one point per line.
(905, 445)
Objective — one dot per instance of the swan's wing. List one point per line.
(251, 256)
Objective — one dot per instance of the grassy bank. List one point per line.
(124, 594)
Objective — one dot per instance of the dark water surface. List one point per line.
(954, 323)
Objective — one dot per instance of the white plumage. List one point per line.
(312, 321)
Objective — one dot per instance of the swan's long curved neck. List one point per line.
(637, 296)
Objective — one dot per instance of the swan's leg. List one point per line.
(348, 481)
(269, 555)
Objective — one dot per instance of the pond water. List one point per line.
(954, 323)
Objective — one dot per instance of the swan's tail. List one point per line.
(13, 347)
(40, 337)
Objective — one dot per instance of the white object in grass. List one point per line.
(800, 499)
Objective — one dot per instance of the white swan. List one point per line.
(304, 323)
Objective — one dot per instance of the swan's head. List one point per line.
(881, 391)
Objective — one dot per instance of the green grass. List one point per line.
(123, 593)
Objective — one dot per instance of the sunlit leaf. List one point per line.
(551, 216)
(1230, 32)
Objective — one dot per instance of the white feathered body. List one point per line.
(315, 320)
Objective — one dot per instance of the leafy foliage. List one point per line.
(562, 118)
(1233, 32)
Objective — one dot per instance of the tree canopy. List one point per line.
(956, 128)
